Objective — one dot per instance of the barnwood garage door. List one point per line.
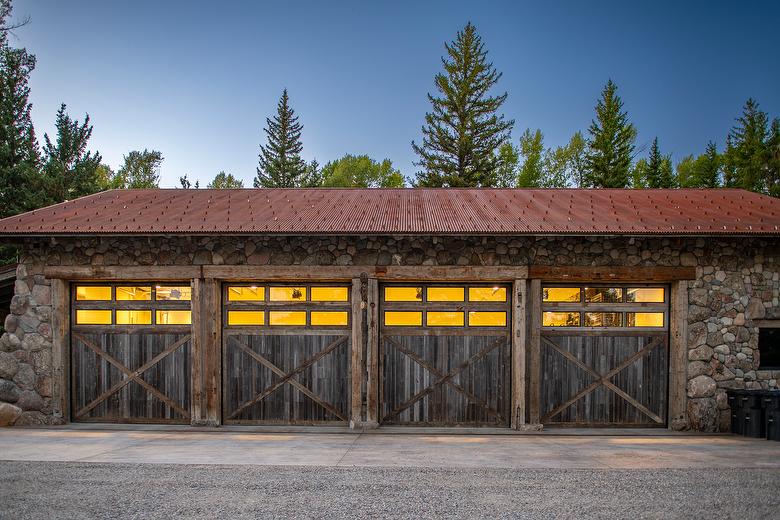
(445, 354)
(604, 355)
(286, 353)
(130, 352)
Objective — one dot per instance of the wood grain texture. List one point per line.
(678, 351)
(519, 336)
(372, 354)
(60, 330)
(611, 273)
(357, 379)
(534, 352)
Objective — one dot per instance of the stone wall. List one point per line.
(737, 282)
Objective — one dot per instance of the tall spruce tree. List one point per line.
(708, 165)
(70, 170)
(773, 159)
(19, 154)
(463, 132)
(747, 150)
(659, 172)
(611, 143)
(281, 165)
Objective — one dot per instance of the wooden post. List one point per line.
(678, 351)
(372, 355)
(197, 408)
(210, 332)
(60, 320)
(519, 328)
(534, 352)
(356, 399)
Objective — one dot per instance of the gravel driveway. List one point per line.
(117, 491)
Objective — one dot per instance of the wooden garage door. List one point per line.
(130, 352)
(286, 353)
(445, 354)
(604, 355)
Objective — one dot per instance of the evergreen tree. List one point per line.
(708, 165)
(659, 172)
(638, 177)
(611, 143)
(747, 151)
(463, 132)
(773, 163)
(224, 181)
(361, 172)
(187, 184)
(19, 154)
(70, 170)
(141, 170)
(281, 165)
(532, 150)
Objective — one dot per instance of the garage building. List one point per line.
(502, 308)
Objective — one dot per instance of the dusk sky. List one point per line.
(196, 80)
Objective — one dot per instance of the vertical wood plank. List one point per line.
(211, 347)
(60, 320)
(356, 398)
(678, 351)
(372, 362)
(519, 323)
(199, 331)
(534, 351)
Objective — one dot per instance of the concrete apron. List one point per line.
(246, 445)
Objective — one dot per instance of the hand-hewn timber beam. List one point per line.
(618, 274)
(120, 272)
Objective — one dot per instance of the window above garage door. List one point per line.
(132, 304)
(605, 306)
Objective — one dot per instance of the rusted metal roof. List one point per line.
(407, 211)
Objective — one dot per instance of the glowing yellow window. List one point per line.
(287, 318)
(487, 319)
(329, 318)
(561, 294)
(644, 319)
(401, 318)
(603, 319)
(237, 293)
(174, 317)
(603, 294)
(561, 319)
(445, 294)
(487, 294)
(403, 294)
(444, 319)
(287, 294)
(93, 317)
(645, 294)
(179, 293)
(329, 294)
(134, 293)
(133, 317)
(246, 317)
(93, 292)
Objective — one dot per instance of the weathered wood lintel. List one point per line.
(391, 272)
(119, 272)
(621, 274)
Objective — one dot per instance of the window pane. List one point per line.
(444, 319)
(487, 319)
(133, 317)
(487, 294)
(93, 317)
(134, 293)
(287, 294)
(180, 293)
(246, 318)
(645, 294)
(403, 294)
(329, 294)
(603, 294)
(87, 292)
(602, 319)
(769, 348)
(413, 319)
(287, 318)
(644, 319)
(561, 294)
(329, 318)
(237, 293)
(445, 294)
(174, 317)
(561, 319)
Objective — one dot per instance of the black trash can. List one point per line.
(773, 425)
(735, 403)
(753, 423)
(771, 400)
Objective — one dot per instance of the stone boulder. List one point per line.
(9, 414)
(9, 365)
(29, 400)
(703, 415)
(701, 386)
(700, 353)
(9, 392)
(31, 419)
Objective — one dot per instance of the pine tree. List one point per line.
(281, 165)
(463, 132)
(708, 167)
(19, 154)
(659, 172)
(611, 143)
(773, 169)
(747, 151)
(70, 170)
(532, 150)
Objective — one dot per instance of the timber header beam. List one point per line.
(618, 274)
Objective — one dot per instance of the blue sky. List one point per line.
(196, 80)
